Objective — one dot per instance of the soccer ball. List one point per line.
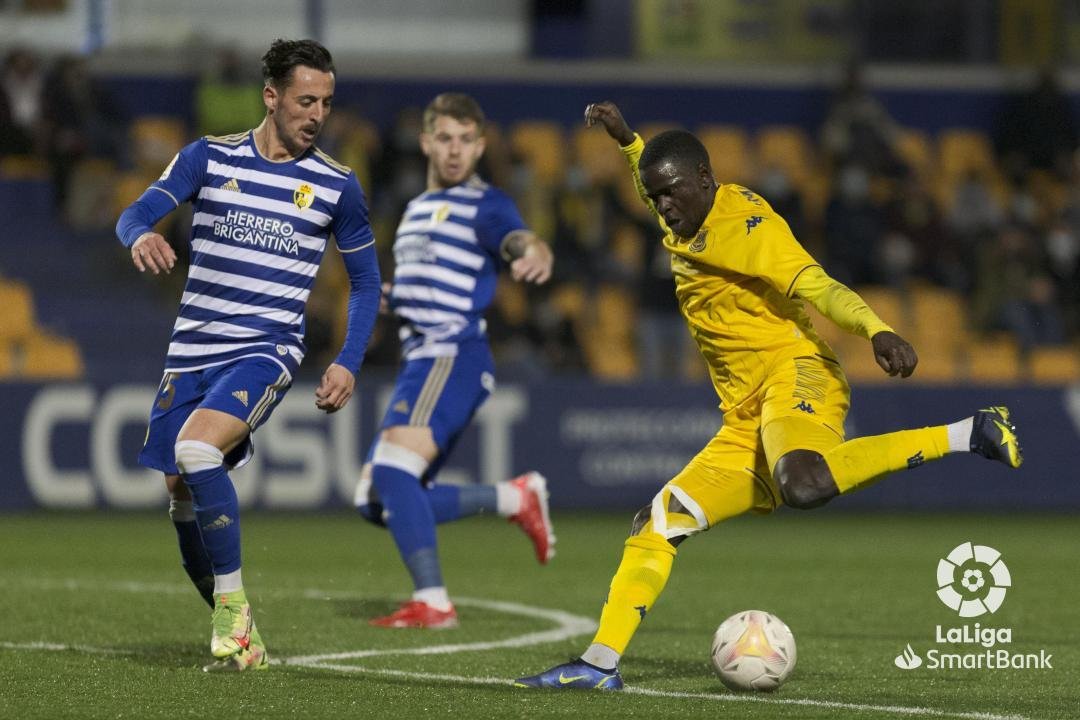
(753, 650)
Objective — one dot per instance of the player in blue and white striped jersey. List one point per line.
(266, 203)
(450, 245)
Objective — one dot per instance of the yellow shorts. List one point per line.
(801, 406)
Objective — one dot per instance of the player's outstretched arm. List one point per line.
(894, 354)
(530, 257)
(607, 114)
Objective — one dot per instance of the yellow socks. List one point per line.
(642, 574)
(859, 462)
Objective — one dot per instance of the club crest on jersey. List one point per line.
(698, 243)
(303, 196)
(441, 213)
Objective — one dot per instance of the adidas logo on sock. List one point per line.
(241, 395)
(231, 184)
(221, 523)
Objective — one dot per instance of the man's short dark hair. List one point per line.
(676, 146)
(284, 55)
(459, 106)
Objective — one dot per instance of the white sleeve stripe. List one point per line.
(171, 196)
(367, 245)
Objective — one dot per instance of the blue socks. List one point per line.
(192, 553)
(453, 502)
(408, 515)
(217, 510)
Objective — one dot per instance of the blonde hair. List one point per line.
(459, 106)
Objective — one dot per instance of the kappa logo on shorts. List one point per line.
(242, 396)
(805, 407)
(402, 406)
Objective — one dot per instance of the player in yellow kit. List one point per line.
(741, 279)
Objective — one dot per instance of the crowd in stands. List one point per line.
(966, 241)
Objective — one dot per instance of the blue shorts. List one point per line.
(248, 389)
(442, 393)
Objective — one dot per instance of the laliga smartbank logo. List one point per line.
(972, 581)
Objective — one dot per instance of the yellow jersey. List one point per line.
(735, 282)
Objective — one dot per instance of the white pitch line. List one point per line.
(826, 704)
(569, 625)
(61, 647)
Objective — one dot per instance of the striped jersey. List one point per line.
(447, 258)
(259, 232)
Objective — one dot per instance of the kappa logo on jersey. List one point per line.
(752, 222)
(805, 407)
(441, 213)
(242, 396)
(231, 185)
(303, 196)
(699, 242)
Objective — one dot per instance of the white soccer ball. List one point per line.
(753, 650)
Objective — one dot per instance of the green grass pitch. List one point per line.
(98, 619)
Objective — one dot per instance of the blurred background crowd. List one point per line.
(965, 237)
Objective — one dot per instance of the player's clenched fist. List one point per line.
(607, 113)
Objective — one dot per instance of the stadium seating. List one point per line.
(994, 360)
(542, 146)
(597, 154)
(26, 350)
(730, 153)
(48, 357)
(1054, 365)
(963, 152)
(17, 322)
(915, 150)
(788, 148)
(155, 139)
(938, 332)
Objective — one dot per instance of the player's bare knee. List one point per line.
(804, 479)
